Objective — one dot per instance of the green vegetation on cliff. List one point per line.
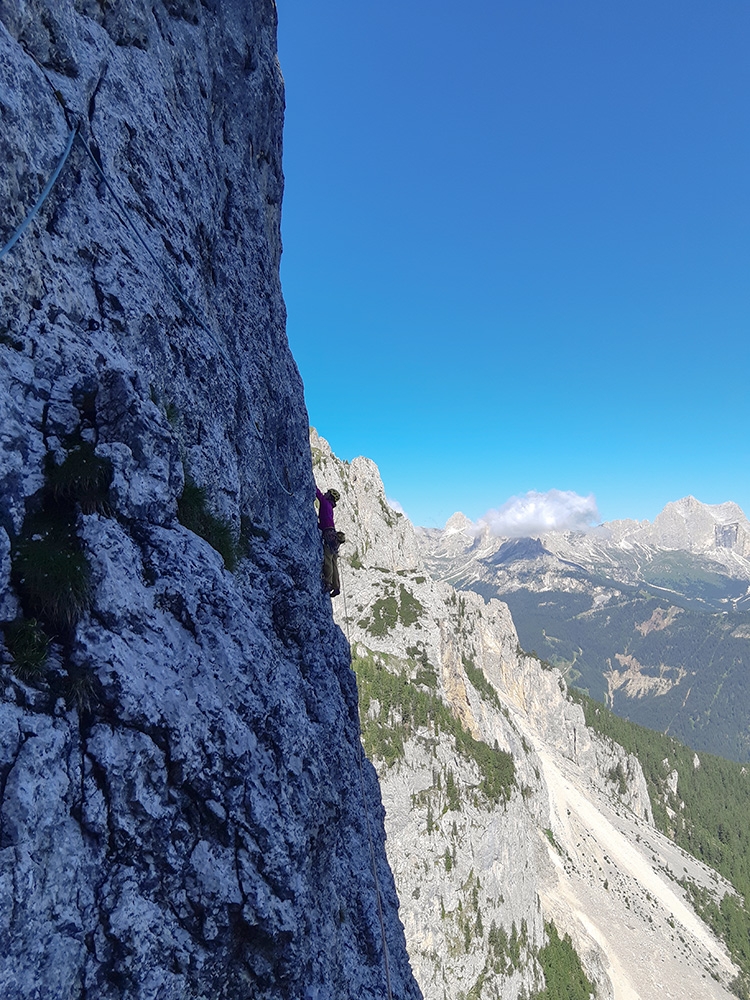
(388, 611)
(564, 977)
(193, 512)
(395, 703)
(713, 824)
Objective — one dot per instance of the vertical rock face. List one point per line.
(183, 812)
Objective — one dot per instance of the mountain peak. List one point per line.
(690, 505)
(457, 523)
(699, 527)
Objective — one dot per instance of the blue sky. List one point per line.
(517, 246)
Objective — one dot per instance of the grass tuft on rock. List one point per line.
(50, 570)
(193, 513)
(83, 478)
(28, 645)
(80, 689)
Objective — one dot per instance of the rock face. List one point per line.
(184, 807)
(698, 527)
(503, 810)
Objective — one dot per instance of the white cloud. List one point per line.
(395, 505)
(534, 513)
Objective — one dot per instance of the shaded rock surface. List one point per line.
(181, 810)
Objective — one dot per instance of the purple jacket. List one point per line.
(325, 514)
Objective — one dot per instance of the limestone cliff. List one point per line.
(181, 807)
(503, 811)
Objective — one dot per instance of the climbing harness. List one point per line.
(42, 197)
(386, 960)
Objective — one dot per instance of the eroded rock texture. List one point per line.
(182, 814)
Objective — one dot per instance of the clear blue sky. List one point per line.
(517, 245)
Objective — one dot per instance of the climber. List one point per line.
(331, 542)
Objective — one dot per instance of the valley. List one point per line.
(515, 829)
(661, 635)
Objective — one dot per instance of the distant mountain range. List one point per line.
(652, 618)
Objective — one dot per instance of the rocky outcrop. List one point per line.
(503, 810)
(182, 811)
(697, 527)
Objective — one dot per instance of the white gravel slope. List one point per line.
(613, 888)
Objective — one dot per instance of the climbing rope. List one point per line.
(42, 197)
(183, 299)
(167, 277)
(386, 960)
(346, 615)
(174, 286)
(289, 493)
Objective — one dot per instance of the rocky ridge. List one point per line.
(716, 536)
(181, 809)
(569, 836)
(654, 619)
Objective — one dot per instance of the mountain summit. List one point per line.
(693, 526)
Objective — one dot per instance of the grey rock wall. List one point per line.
(181, 812)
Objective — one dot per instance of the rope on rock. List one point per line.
(167, 277)
(182, 298)
(174, 286)
(42, 197)
(289, 493)
(386, 960)
(346, 616)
